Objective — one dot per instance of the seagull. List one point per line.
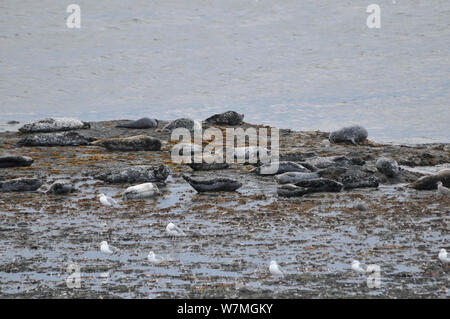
(443, 256)
(358, 267)
(174, 230)
(275, 270)
(442, 189)
(106, 200)
(153, 258)
(108, 249)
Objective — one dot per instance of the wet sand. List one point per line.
(231, 237)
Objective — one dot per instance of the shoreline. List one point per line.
(231, 236)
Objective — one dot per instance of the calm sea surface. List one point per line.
(293, 64)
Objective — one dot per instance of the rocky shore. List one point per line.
(334, 197)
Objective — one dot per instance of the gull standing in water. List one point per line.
(153, 258)
(442, 189)
(358, 267)
(108, 249)
(443, 256)
(275, 270)
(107, 201)
(174, 230)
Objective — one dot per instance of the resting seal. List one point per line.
(213, 185)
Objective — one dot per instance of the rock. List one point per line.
(279, 168)
(430, 181)
(132, 143)
(136, 174)
(143, 123)
(20, 185)
(53, 125)
(388, 166)
(294, 177)
(54, 139)
(182, 122)
(320, 185)
(15, 161)
(226, 118)
(361, 207)
(208, 166)
(290, 190)
(213, 185)
(141, 191)
(353, 134)
(61, 187)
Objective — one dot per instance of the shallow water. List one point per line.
(292, 64)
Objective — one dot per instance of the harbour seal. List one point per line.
(274, 168)
(226, 118)
(387, 166)
(53, 125)
(15, 161)
(184, 123)
(143, 123)
(295, 177)
(55, 139)
(430, 182)
(320, 185)
(354, 134)
(213, 185)
(141, 191)
(291, 190)
(61, 187)
(136, 174)
(132, 143)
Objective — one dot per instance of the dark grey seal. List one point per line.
(54, 139)
(351, 177)
(353, 134)
(208, 166)
(274, 168)
(290, 190)
(387, 166)
(143, 123)
(136, 174)
(226, 118)
(132, 143)
(213, 185)
(61, 187)
(15, 161)
(182, 122)
(320, 185)
(20, 185)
